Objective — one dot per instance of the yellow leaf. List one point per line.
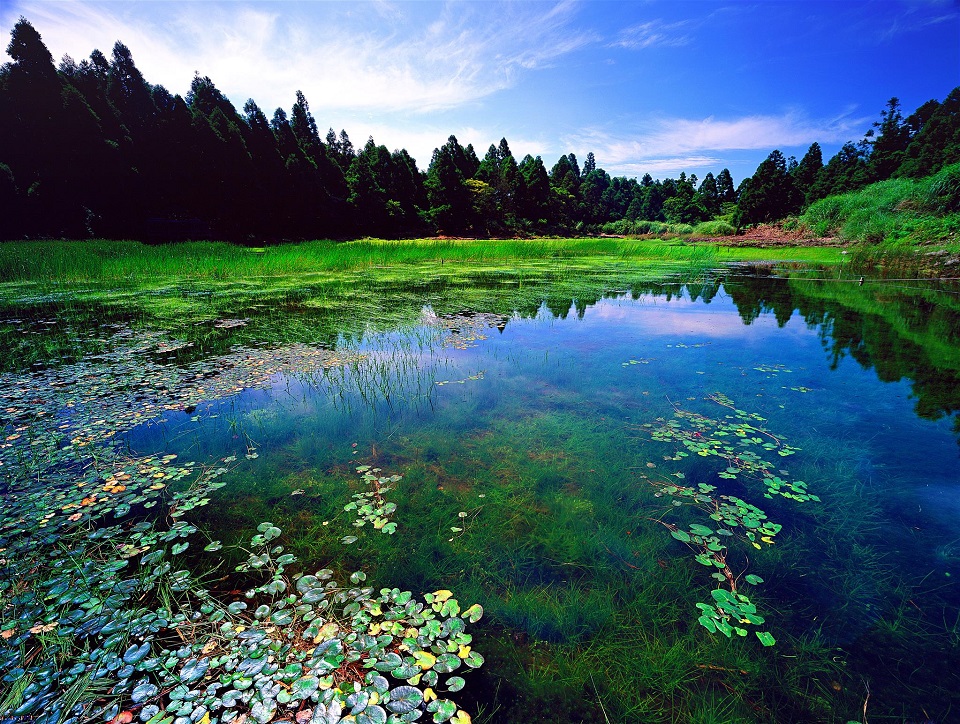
(461, 718)
(424, 659)
(205, 719)
(464, 651)
(442, 595)
(327, 631)
(429, 694)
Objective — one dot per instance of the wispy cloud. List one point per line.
(919, 17)
(654, 33)
(663, 167)
(670, 145)
(375, 57)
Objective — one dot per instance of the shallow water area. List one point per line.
(733, 497)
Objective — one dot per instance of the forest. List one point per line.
(92, 149)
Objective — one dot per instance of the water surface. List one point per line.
(548, 448)
(531, 485)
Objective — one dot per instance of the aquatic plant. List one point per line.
(730, 608)
(735, 438)
(105, 610)
(738, 440)
(100, 633)
(370, 504)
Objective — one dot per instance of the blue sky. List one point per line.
(658, 87)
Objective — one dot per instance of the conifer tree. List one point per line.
(807, 172)
(770, 195)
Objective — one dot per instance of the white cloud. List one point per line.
(374, 57)
(685, 144)
(659, 167)
(653, 33)
(915, 18)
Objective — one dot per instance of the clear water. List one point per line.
(530, 486)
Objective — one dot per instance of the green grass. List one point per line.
(47, 265)
(899, 213)
(129, 261)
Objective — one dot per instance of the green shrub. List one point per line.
(642, 226)
(824, 216)
(622, 226)
(714, 228)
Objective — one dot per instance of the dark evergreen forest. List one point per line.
(92, 149)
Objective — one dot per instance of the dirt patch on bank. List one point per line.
(773, 235)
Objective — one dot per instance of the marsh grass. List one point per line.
(49, 264)
(314, 292)
(59, 262)
(577, 591)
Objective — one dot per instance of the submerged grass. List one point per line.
(577, 588)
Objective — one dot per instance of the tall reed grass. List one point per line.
(135, 263)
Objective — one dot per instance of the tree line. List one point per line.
(91, 148)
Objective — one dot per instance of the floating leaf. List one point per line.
(445, 710)
(404, 699)
(766, 638)
(305, 686)
(474, 613)
(143, 692)
(456, 683)
(425, 659)
(194, 669)
(136, 653)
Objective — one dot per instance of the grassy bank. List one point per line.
(896, 215)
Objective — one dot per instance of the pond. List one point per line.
(730, 496)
